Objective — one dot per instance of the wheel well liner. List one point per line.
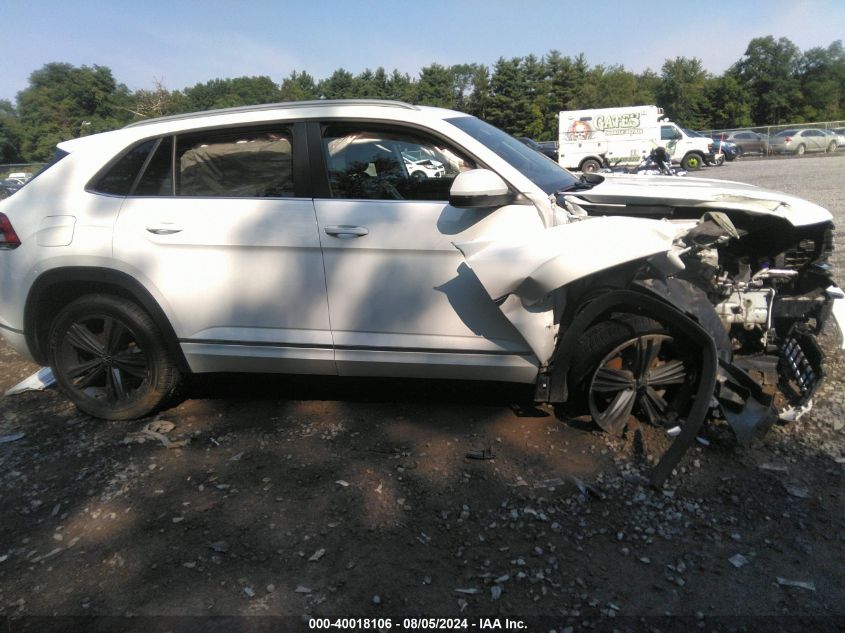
(56, 288)
(638, 301)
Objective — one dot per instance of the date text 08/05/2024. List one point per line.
(416, 624)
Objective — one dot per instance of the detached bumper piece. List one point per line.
(799, 366)
(746, 407)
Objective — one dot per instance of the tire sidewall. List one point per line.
(159, 368)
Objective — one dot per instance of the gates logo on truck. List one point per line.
(628, 123)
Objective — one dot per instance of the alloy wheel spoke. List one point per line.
(132, 363)
(113, 331)
(91, 375)
(647, 350)
(670, 373)
(614, 418)
(116, 384)
(77, 371)
(654, 405)
(608, 379)
(82, 339)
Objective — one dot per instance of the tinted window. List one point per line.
(120, 177)
(376, 163)
(158, 176)
(236, 163)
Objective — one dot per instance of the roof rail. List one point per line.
(274, 106)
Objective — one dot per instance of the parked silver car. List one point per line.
(747, 142)
(798, 142)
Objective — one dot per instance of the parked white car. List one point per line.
(295, 238)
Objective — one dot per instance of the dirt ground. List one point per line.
(325, 498)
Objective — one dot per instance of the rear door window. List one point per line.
(243, 163)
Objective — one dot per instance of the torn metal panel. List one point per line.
(533, 265)
(535, 323)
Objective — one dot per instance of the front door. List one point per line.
(401, 299)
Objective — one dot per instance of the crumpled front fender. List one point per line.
(530, 266)
(533, 265)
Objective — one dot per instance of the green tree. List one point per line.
(227, 93)
(10, 141)
(63, 102)
(681, 91)
(727, 104)
(340, 85)
(822, 75)
(298, 87)
(769, 72)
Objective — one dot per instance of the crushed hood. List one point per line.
(703, 193)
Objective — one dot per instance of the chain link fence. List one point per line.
(768, 142)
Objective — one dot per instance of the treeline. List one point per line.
(773, 82)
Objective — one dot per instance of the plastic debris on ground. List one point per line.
(738, 561)
(155, 430)
(39, 381)
(800, 584)
(796, 491)
(487, 453)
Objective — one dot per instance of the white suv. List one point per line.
(296, 238)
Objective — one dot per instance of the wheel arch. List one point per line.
(54, 289)
(673, 302)
(640, 301)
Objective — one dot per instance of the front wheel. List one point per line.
(832, 147)
(692, 162)
(109, 358)
(630, 369)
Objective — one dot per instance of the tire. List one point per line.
(632, 366)
(739, 152)
(590, 166)
(692, 161)
(109, 358)
(799, 151)
(832, 147)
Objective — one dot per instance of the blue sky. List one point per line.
(181, 43)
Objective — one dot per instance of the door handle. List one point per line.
(344, 231)
(165, 228)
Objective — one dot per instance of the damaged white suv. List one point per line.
(294, 238)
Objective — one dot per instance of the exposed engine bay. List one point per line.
(770, 285)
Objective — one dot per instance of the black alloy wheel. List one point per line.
(109, 359)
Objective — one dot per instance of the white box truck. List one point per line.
(623, 136)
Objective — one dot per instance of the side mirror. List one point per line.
(479, 188)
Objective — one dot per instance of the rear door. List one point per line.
(221, 226)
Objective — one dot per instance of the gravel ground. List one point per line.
(330, 498)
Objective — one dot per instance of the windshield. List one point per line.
(541, 170)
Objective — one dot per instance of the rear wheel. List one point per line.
(832, 146)
(590, 166)
(631, 369)
(800, 150)
(109, 358)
